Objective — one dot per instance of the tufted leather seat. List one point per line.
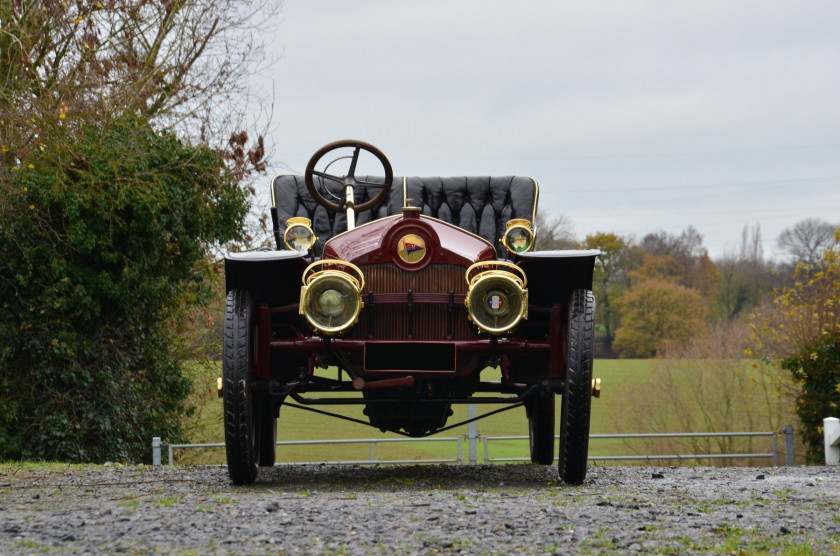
(481, 205)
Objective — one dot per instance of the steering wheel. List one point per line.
(349, 182)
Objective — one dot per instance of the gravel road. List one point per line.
(419, 509)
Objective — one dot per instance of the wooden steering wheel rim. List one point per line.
(377, 200)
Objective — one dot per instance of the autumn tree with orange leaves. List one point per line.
(802, 329)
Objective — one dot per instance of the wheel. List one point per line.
(541, 426)
(240, 404)
(577, 389)
(267, 425)
(319, 191)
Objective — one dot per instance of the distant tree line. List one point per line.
(663, 296)
(664, 289)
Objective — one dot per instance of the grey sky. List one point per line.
(634, 116)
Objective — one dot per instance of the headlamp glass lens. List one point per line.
(496, 304)
(331, 303)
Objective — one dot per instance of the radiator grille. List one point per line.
(390, 321)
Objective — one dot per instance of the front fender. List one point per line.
(272, 277)
(554, 275)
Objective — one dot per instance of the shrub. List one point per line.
(817, 370)
(103, 245)
(802, 329)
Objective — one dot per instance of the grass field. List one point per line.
(635, 398)
(296, 424)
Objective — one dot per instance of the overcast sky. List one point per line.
(633, 116)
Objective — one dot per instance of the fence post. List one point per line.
(831, 433)
(156, 450)
(775, 450)
(787, 430)
(472, 435)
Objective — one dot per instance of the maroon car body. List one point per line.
(410, 308)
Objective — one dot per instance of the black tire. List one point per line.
(268, 432)
(541, 426)
(241, 434)
(577, 389)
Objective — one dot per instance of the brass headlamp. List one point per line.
(331, 297)
(496, 297)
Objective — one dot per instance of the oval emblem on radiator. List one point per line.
(411, 248)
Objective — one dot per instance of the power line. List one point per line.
(553, 156)
(786, 212)
(710, 185)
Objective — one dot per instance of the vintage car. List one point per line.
(410, 287)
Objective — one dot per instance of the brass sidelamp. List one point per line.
(299, 235)
(519, 236)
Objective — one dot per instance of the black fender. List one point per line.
(554, 275)
(272, 277)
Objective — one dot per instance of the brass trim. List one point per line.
(273, 200)
(492, 268)
(299, 220)
(359, 282)
(536, 204)
(519, 222)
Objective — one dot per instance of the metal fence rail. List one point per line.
(787, 431)
(472, 438)
(370, 441)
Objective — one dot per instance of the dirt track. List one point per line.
(419, 509)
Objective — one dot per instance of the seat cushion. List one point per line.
(480, 205)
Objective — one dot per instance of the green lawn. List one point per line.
(296, 424)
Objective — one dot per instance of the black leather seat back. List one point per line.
(480, 205)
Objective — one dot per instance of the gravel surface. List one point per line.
(419, 509)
